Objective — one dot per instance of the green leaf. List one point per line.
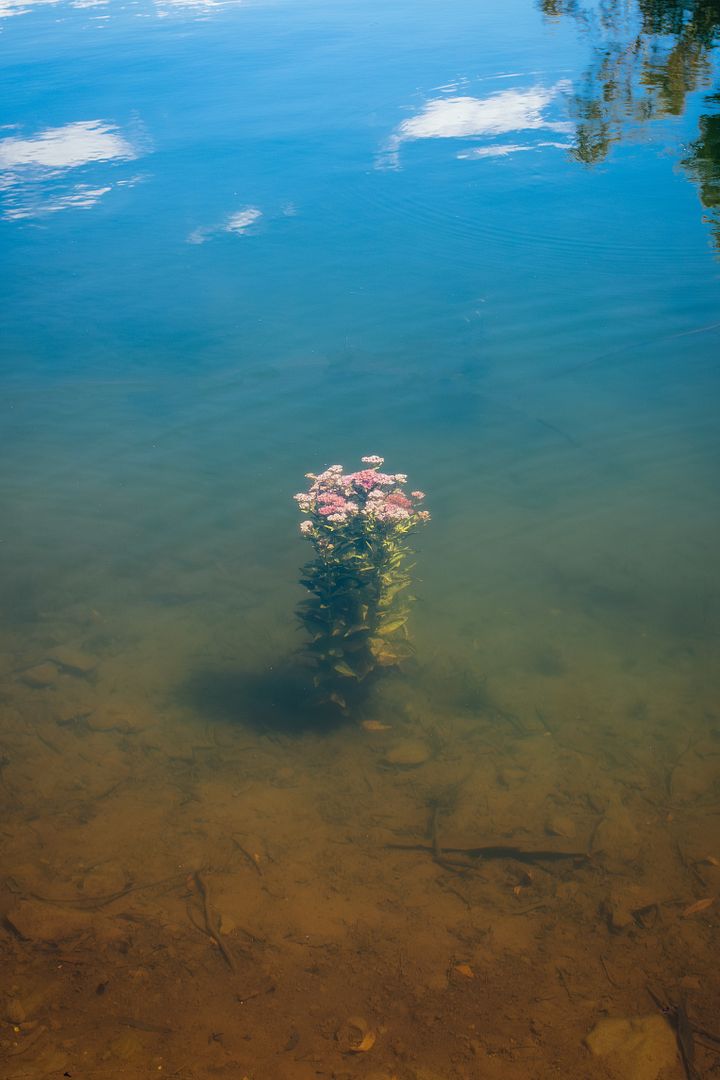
(392, 590)
(388, 653)
(343, 668)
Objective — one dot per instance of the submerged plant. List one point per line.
(357, 611)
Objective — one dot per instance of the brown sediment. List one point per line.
(144, 1025)
(354, 925)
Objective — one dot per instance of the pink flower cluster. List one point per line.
(336, 497)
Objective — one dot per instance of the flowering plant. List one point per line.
(358, 606)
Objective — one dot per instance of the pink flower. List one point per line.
(335, 497)
(331, 500)
(367, 479)
(392, 513)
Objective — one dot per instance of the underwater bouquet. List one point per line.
(358, 607)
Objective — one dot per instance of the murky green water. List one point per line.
(245, 241)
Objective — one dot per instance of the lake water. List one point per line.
(244, 241)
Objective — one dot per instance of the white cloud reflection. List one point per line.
(37, 172)
(81, 197)
(21, 7)
(66, 147)
(196, 7)
(238, 223)
(465, 117)
(160, 8)
(505, 149)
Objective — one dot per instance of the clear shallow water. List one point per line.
(244, 241)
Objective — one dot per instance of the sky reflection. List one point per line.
(501, 113)
(238, 223)
(161, 8)
(37, 173)
(66, 147)
(9, 8)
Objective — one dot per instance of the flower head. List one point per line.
(367, 498)
(366, 478)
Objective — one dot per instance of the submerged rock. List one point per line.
(561, 825)
(637, 1048)
(408, 754)
(35, 921)
(511, 775)
(40, 676)
(630, 905)
(73, 660)
(111, 718)
(617, 836)
(355, 1036)
(14, 1011)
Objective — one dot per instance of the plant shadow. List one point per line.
(279, 699)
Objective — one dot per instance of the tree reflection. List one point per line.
(703, 165)
(648, 55)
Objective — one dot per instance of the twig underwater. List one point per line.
(88, 903)
(211, 920)
(499, 851)
(686, 1032)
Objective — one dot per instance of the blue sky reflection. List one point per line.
(484, 118)
(39, 173)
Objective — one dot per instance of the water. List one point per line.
(245, 241)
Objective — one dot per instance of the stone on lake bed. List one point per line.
(35, 921)
(617, 836)
(509, 776)
(51, 924)
(111, 718)
(40, 676)
(408, 754)
(561, 825)
(14, 1011)
(73, 660)
(637, 1048)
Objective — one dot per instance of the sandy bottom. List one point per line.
(192, 895)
